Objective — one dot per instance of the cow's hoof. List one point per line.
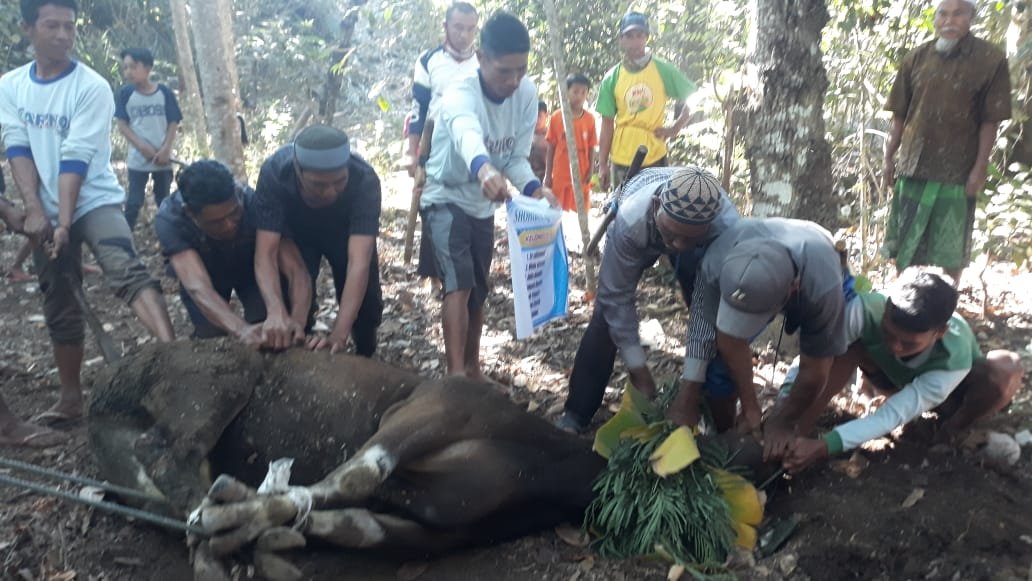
(206, 567)
(275, 568)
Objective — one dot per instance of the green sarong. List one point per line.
(927, 225)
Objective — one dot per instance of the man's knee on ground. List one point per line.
(1004, 375)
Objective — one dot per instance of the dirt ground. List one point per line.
(972, 522)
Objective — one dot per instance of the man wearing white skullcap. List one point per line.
(675, 211)
(947, 101)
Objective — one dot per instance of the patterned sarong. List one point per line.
(927, 225)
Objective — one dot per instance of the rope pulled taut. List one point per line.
(134, 513)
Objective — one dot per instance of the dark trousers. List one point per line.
(246, 288)
(137, 193)
(335, 249)
(596, 356)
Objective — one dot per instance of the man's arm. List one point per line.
(360, 254)
(193, 275)
(91, 128)
(23, 170)
(684, 113)
(979, 172)
(421, 96)
(173, 116)
(549, 164)
(779, 431)
(891, 147)
(23, 167)
(623, 263)
(738, 357)
(517, 168)
(423, 153)
(591, 164)
(164, 153)
(299, 282)
(135, 140)
(605, 143)
(921, 395)
(280, 331)
(457, 113)
(699, 350)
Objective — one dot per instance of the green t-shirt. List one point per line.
(637, 102)
(957, 349)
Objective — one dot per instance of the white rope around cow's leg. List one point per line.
(277, 481)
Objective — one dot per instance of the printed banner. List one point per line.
(540, 268)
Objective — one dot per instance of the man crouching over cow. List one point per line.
(915, 349)
(207, 232)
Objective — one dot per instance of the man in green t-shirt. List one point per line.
(632, 101)
(912, 347)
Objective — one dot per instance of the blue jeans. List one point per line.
(137, 193)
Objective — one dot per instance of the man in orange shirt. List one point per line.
(557, 162)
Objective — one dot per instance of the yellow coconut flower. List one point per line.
(675, 453)
(744, 502)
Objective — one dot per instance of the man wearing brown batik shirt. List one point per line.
(948, 100)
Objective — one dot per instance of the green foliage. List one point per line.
(1004, 225)
(637, 513)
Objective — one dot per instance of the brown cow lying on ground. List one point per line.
(434, 465)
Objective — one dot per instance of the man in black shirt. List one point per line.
(207, 232)
(315, 192)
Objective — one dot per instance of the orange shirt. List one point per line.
(586, 139)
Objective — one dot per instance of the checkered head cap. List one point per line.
(692, 196)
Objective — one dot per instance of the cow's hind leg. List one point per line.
(437, 414)
(359, 528)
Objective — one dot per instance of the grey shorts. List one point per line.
(463, 248)
(107, 234)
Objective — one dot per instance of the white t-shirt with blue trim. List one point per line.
(64, 125)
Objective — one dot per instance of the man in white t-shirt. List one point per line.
(56, 117)
(436, 69)
(481, 144)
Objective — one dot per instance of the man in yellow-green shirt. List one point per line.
(632, 101)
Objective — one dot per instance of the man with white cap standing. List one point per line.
(676, 211)
(947, 102)
(755, 270)
(316, 192)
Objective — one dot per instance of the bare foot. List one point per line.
(30, 435)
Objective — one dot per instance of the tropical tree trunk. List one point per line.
(559, 64)
(338, 63)
(213, 35)
(789, 159)
(189, 90)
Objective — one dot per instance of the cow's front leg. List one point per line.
(235, 516)
(357, 479)
(359, 528)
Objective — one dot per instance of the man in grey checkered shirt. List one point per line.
(675, 211)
